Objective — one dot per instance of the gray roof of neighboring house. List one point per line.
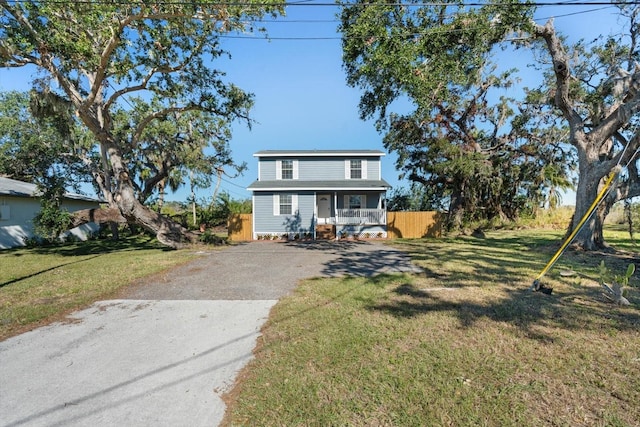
(318, 153)
(344, 185)
(12, 187)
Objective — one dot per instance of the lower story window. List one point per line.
(355, 202)
(286, 204)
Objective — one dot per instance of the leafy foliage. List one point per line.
(593, 87)
(464, 138)
(52, 219)
(218, 212)
(138, 76)
(415, 198)
(34, 147)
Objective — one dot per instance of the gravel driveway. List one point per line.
(269, 270)
(166, 351)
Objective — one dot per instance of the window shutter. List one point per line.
(363, 201)
(347, 169)
(364, 169)
(295, 169)
(278, 169)
(276, 204)
(5, 212)
(294, 204)
(346, 202)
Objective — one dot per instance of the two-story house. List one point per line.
(319, 194)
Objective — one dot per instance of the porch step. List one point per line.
(325, 232)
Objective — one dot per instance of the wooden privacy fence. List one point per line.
(240, 227)
(412, 225)
(407, 225)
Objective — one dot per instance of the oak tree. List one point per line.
(464, 136)
(96, 56)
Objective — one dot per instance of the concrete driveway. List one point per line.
(166, 351)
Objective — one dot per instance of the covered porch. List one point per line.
(360, 215)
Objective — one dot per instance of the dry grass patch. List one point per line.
(465, 344)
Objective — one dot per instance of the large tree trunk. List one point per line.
(455, 218)
(590, 236)
(125, 207)
(167, 231)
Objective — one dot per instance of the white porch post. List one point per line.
(315, 215)
(334, 214)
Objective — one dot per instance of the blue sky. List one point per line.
(301, 98)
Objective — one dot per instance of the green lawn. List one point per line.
(465, 344)
(40, 285)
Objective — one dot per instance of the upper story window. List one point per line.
(287, 169)
(355, 169)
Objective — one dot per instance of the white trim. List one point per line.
(329, 189)
(322, 154)
(253, 217)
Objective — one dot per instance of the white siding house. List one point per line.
(19, 204)
(319, 194)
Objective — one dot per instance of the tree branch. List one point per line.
(562, 72)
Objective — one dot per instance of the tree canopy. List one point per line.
(34, 149)
(464, 137)
(139, 76)
(472, 132)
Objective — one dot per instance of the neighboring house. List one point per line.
(319, 194)
(19, 204)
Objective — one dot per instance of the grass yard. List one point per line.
(40, 285)
(465, 344)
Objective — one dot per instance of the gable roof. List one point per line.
(319, 153)
(15, 188)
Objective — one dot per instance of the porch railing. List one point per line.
(360, 216)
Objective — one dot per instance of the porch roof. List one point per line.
(338, 185)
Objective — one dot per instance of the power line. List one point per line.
(423, 33)
(308, 3)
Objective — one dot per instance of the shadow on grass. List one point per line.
(575, 308)
(360, 258)
(100, 247)
(500, 265)
(37, 273)
(85, 250)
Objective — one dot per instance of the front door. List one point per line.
(324, 208)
